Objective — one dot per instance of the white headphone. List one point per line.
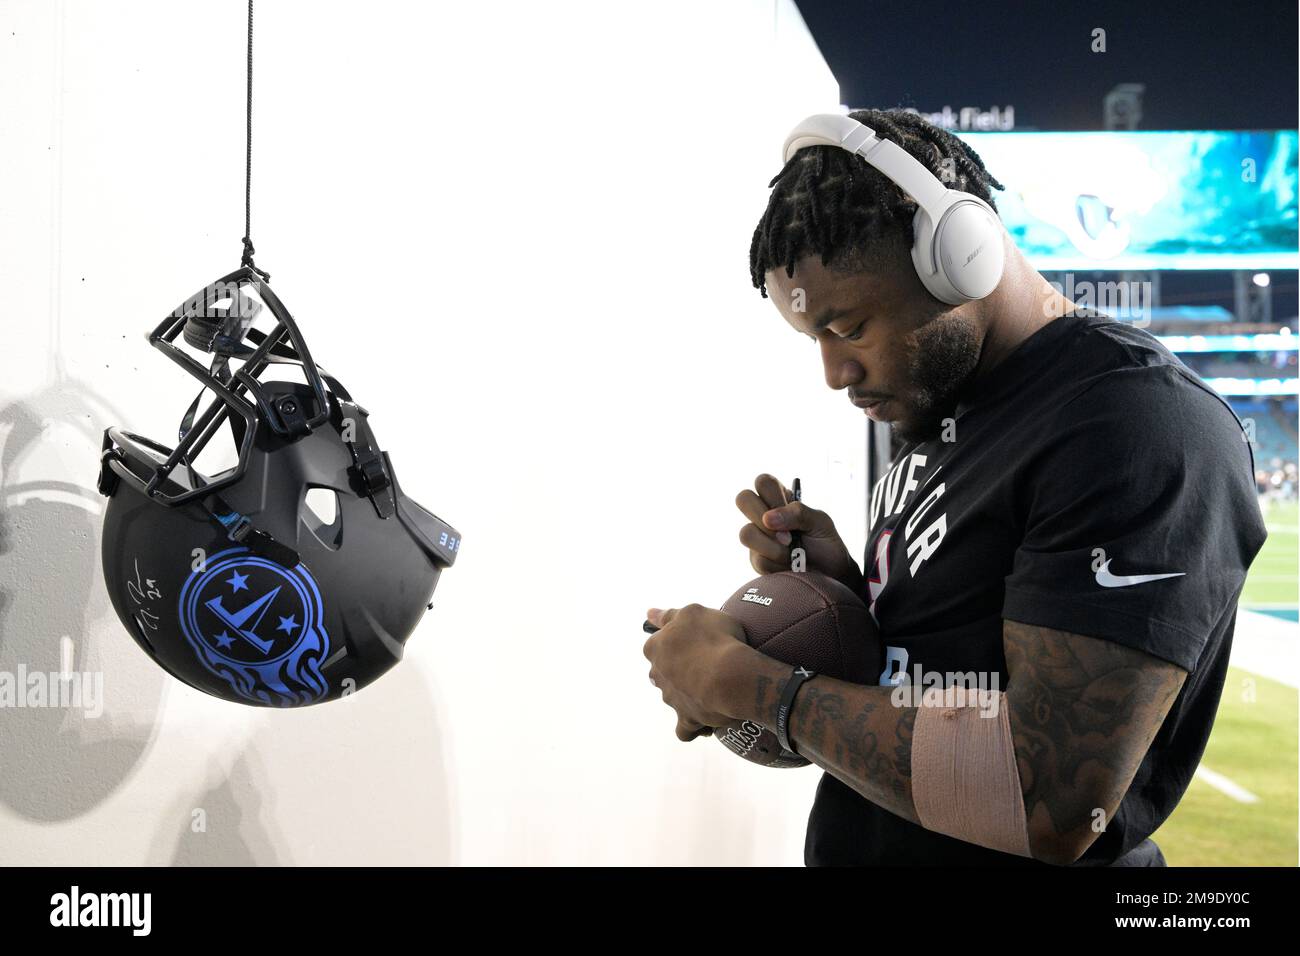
(958, 249)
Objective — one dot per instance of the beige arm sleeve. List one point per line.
(965, 782)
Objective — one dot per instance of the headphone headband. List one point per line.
(834, 129)
(957, 248)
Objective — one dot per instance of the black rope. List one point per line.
(248, 167)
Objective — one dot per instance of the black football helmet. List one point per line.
(236, 582)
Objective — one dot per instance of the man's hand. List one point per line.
(690, 658)
(767, 535)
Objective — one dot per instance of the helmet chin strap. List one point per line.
(239, 529)
(368, 465)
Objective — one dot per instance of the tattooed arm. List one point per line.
(852, 730)
(1083, 712)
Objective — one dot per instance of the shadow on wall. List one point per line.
(57, 762)
(358, 781)
(223, 826)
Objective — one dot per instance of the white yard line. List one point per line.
(1225, 786)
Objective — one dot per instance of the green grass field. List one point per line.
(1272, 580)
(1253, 743)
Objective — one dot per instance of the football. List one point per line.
(801, 618)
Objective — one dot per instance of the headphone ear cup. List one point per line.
(968, 248)
(963, 259)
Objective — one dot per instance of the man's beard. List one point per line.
(948, 352)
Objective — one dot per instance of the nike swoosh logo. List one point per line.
(1108, 580)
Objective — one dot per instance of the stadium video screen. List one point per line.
(1147, 200)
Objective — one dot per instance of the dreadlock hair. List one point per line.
(829, 202)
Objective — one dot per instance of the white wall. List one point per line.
(521, 240)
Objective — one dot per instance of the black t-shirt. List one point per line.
(1090, 435)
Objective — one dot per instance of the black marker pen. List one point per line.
(795, 540)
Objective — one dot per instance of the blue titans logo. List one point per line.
(258, 626)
